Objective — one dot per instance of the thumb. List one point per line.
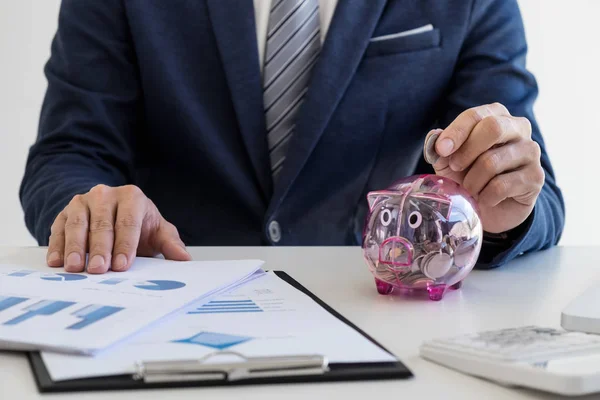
(441, 165)
(169, 244)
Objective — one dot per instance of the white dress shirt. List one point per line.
(262, 10)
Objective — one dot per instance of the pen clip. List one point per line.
(246, 368)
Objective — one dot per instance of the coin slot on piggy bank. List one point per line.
(423, 233)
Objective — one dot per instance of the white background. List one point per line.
(564, 55)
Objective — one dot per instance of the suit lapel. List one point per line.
(235, 32)
(347, 38)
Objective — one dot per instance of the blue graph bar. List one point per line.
(111, 281)
(223, 311)
(227, 306)
(93, 313)
(21, 273)
(44, 307)
(231, 302)
(7, 302)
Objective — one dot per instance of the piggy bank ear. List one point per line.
(376, 197)
(437, 203)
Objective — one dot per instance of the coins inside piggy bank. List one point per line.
(422, 233)
(431, 156)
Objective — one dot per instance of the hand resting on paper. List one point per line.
(113, 224)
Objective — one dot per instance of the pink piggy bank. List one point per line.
(422, 233)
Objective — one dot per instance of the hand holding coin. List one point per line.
(491, 154)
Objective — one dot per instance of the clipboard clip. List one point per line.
(243, 368)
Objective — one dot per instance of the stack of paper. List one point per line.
(48, 309)
(264, 318)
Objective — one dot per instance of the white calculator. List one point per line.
(547, 359)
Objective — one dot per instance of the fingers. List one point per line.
(76, 232)
(130, 218)
(459, 130)
(56, 244)
(497, 161)
(114, 225)
(489, 132)
(168, 242)
(102, 205)
(523, 185)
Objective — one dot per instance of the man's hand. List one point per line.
(491, 154)
(113, 225)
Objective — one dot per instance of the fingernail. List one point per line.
(96, 263)
(445, 147)
(54, 257)
(120, 262)
(73, 260)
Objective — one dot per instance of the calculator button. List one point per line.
(521, 344)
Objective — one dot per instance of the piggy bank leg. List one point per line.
(456, 286)
(436, 292)
(383, 287)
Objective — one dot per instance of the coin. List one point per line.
(429, 152)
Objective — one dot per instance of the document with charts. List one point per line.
(42, 308)
(265, 317)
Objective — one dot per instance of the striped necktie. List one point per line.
(291, 51)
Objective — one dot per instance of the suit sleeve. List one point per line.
(89, 114)
(491, 68)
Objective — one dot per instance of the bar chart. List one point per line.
(87, 315)
(44, 307)
(93, 313)
(227, 306)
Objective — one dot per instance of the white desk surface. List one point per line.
(530, 290)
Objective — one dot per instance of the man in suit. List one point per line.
(266, 122)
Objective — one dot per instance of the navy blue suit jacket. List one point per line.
(167, 95)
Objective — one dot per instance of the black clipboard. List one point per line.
(335, 373)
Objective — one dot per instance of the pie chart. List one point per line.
(159, 285)
(61, 277)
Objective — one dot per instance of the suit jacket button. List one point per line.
(274, 231)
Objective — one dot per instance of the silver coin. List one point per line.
(436, 265)
(431, 156)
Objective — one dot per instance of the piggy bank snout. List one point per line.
(396, 251)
